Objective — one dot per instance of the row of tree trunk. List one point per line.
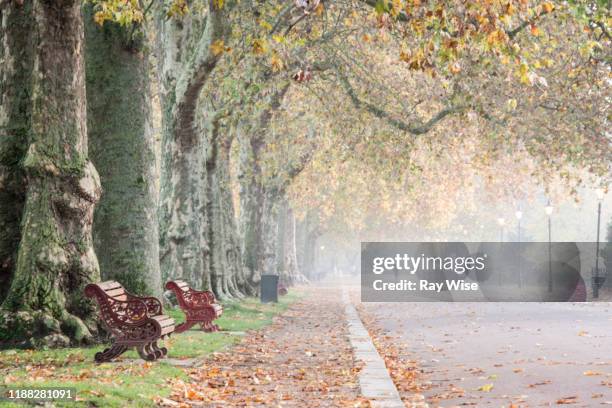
(164, 210)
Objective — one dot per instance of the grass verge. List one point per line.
(130, 381)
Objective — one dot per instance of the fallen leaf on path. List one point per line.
(485, 388)
(545, 382)
(568, 400)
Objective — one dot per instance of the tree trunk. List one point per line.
(310, 256)
(270, 235)
(291, 263)
(225, 263)
(15, 87)
(56, 259)
(280, 244)
(307, 240)
(286, 256)
(255, 202)
(251, 206)
(300, 245)
(123, 148)
(187, 59)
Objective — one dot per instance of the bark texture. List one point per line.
(224, 257)
(257, 223)
(16, 61)
(290, 266)
(270, 232)
(56, 259)
(251, 205)
(122, 147)
(187, 60)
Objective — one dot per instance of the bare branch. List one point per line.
(417, 129)
(515, 31)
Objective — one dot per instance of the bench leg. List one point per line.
(209, 327)
(159, 351)
(184, 326)
(107, 355)
(145, 352)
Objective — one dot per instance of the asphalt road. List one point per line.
(498, 354)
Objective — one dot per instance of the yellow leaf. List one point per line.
(512, 104)
(217, 47)
(319, 10)
(548, 7)
(265, 25)
(259, 46)
(485, 388)
(277, 63)
(524, 73)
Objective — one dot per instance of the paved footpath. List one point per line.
(304, 359)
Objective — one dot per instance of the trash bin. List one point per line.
(269, 288)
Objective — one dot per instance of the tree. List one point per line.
(189, 50)
(122, 146)
(45, 303)
(15, 116)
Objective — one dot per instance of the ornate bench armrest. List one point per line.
(154, 306)
(119, 313)
(199, 298)
(204, 293)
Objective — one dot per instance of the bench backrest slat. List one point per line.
(108, 285)
(182, 285)
(108, 294)
(116, 293)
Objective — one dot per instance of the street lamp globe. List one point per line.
(549, 209)
(600, 193)
(519, 215)
(501, 221)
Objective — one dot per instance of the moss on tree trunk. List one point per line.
(122, 147)
(56, 259)
(15, 87)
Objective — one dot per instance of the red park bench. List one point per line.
(200, 307)
(133, 321)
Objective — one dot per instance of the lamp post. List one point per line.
(549, 210)
(519, 215)
(501, 221)
(600, 195)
